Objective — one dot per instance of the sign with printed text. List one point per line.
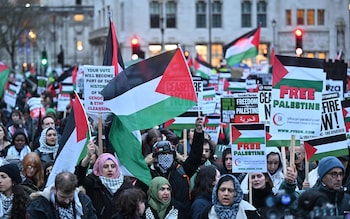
(264, 95)
(63, 101)
(296, 96)
(248, 148)
(95, 79)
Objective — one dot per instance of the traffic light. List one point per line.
(44, 61)
(136, 52)
(60, 58)
(298, 33)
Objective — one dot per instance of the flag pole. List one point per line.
(284, 165)
(100, 144)
(184, 134)
(292, 152)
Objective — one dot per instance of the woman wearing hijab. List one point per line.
(48, 145)
(227, 201)
(160, 203)
(13, 200)
(104, 183)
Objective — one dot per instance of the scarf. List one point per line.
(112, 184)
(5, 206)
(228, 211)
(12, 152)
(68, 212)
(153, 200)
(165, 161)
(44, 147)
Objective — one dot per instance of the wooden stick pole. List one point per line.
(100, 143)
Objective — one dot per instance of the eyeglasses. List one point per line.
(335, 175)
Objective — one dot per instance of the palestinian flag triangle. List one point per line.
(4, 74)
(202, 68)
(152, 91)
(112, 54)
(245, 46)
(72, 147)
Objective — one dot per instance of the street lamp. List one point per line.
(273, 32)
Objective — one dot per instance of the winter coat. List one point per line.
(42, 208)
(181, 172)
(199, 204)
(102, 199)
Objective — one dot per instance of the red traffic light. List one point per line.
(298, 33)
(134, 41)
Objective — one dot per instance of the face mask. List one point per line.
(165, 161)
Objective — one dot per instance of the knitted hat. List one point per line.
(328, 163)
(51, 110)
(12, 171)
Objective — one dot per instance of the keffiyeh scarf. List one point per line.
(112, 184)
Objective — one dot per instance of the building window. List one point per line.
(171, 14)
(319, 55)
(216, 54)
(288, 17)
(202, 50)
(79, 45)
(300, 17)
(79, 17)
(310, 17)
(201, 16)
(217, 14)
(246, 14)
(320, 17)
(261, 10)
(155, 14)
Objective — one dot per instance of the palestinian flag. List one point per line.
(112, 54)
(73, 144)
(346, 115)
(4, 74)
(203, 69)
(245, 46)
(335, 145)
(152, 91)
(128, 148)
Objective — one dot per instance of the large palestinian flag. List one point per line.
(112, 55)
(152, 91)
(73, 144)
(243, 47)
(4, 74)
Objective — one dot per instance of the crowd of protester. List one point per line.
(184, 185)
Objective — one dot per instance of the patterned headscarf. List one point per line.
(227, 211)
(153, 200)
(44, 147)
(98, 166)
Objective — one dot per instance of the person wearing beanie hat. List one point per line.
(328, 163)
(12, 171)
(331, 174)
(13, 200)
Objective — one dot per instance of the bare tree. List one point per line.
(15, 22)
